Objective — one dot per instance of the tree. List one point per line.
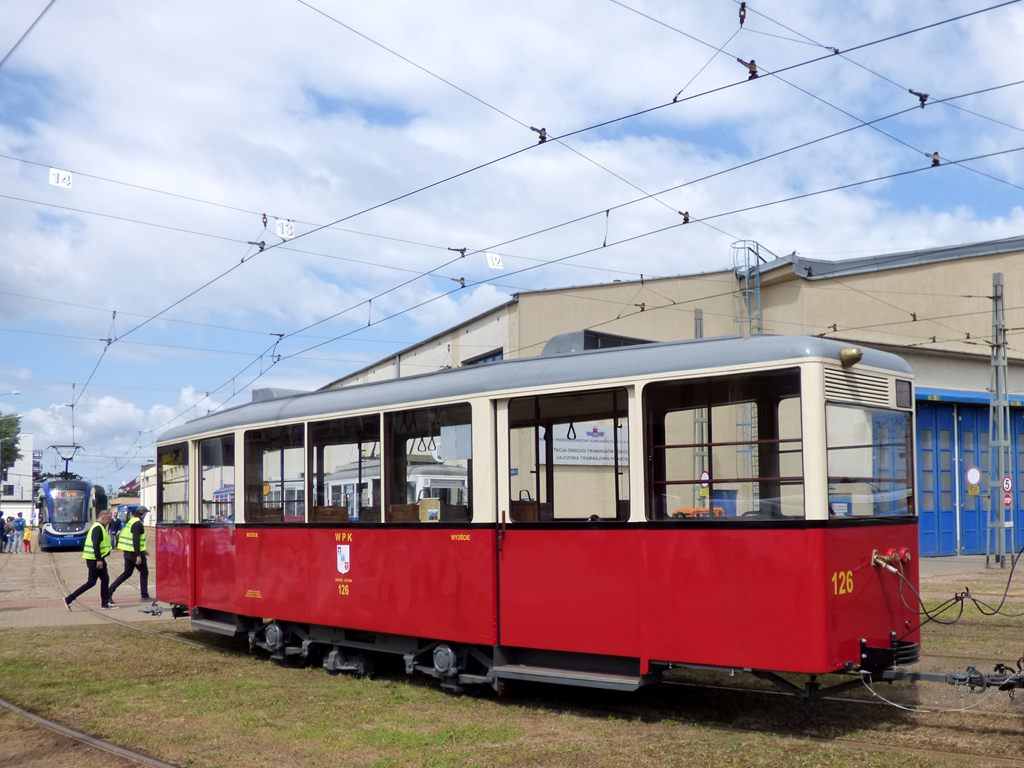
(10, 431)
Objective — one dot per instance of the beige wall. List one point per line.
(479, 336)
(950, 300)
(667, 314)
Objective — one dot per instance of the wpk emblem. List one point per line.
(344, 560)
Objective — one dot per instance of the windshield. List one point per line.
(869, 461)
(69, 505)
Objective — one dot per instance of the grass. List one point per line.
(197, 707)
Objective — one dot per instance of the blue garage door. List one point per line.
(974, 452)
(937, 516)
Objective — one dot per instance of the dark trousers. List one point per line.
(94, 575)
(131, 562)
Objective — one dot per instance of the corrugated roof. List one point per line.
(817, 269)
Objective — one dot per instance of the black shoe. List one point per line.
(67, 604)
(146, 597)
(110, 601)
(109, 607)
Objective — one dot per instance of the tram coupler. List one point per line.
(970, 681)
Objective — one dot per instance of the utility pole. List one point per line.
(700, 424)
(999, 431)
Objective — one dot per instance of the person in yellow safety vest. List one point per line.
(133, 542)
(97, 547)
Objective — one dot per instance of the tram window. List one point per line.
(217, 459)
(569, 457)
(275, 475)
(869, 461)
(344, 462)
(172, 484)
(430, 465)
(725, 447)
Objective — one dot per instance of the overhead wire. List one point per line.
(730, 169)
(197, 233)
(763, 71)
(575, 132)
(107, 310)
(26, 32)
(500, 111)
(886, 133)
(752, 9)
(638, 113)
(660, 230)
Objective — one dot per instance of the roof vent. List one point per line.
(578, 341)
(273, 393)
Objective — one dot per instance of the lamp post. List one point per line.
(13, 392)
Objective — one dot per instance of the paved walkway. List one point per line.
(947, 566)
(32, 590)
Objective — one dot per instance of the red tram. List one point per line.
(591, 518)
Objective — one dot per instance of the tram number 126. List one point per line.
(842, 583)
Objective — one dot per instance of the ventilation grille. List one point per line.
(855, 387)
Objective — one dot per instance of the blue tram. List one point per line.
(66, 509)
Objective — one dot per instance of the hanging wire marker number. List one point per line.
(60, 178)
(494, 261)
(285, 229)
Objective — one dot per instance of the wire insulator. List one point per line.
(751, 67)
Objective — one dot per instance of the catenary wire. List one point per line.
(605, 123)
(635, 114)
(506, 242)
(751, 9)
(488, 104)
(25, 33)
(762, 71)
(240, 210)
(724, 171)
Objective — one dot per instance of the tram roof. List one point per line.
(590, 365)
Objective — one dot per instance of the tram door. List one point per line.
(567, 574)
(937, 514)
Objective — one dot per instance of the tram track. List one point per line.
(942, 756)
(84, 738)
(106, 616)
(873, 702)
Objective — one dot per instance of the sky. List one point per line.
(383, 138)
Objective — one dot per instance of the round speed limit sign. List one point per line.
(1007, 483)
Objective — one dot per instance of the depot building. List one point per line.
(934, 307)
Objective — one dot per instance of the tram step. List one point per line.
(219, 627)
(569, 677)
